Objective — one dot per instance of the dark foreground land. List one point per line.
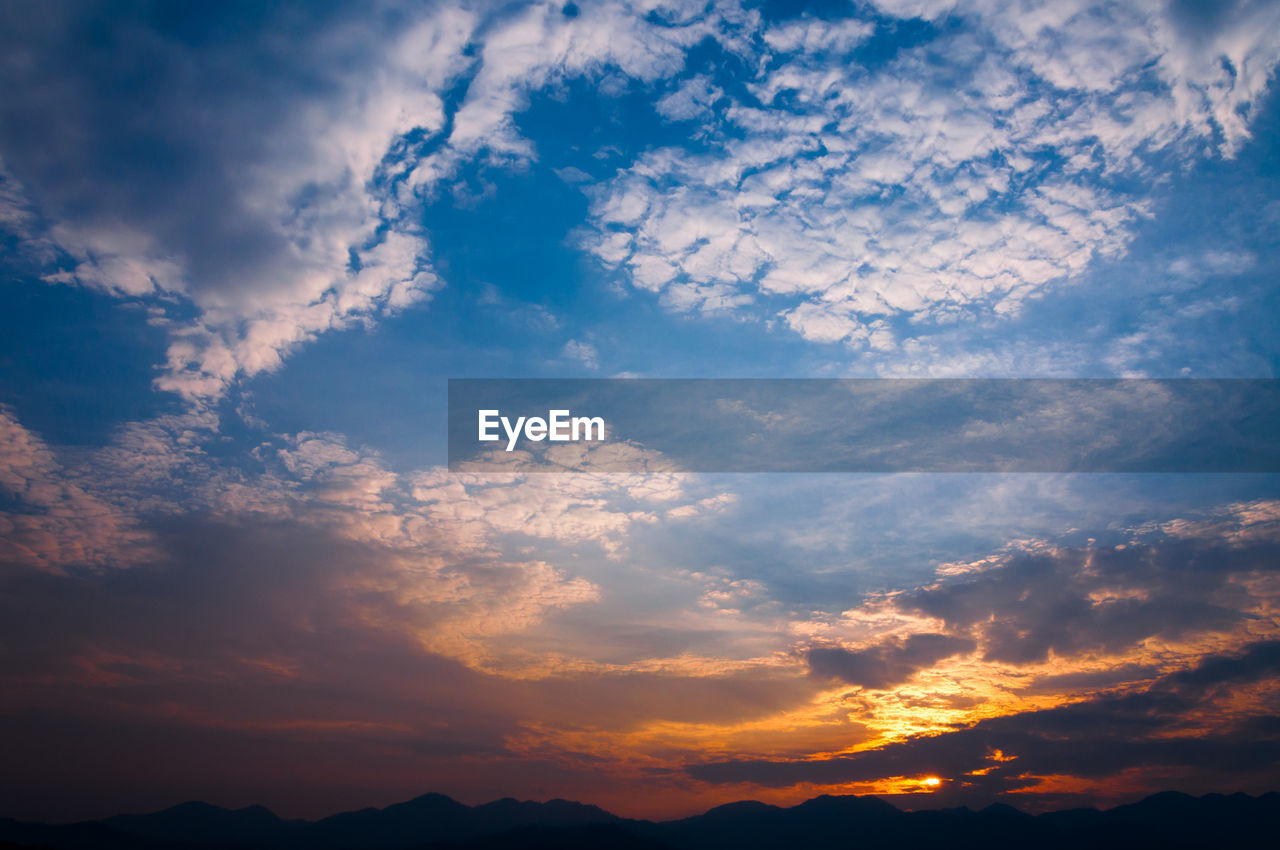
(437, 822)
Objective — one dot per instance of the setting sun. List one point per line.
(932, 782)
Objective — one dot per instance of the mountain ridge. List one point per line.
(438, 822)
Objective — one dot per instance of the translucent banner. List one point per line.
(819, 425)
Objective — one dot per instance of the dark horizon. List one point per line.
(432, 820)
(900, 802)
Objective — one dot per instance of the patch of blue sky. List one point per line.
(75, 364)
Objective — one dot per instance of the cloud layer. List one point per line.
(844, 177)
(842, 191)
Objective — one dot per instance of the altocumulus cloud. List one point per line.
(961, 175)
(309, 154)
(836, 185)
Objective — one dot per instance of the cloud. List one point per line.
(1055, 612)
(56, 523)
(566, 597)
(584, 352)
(959, 178)
(693, 99)
(1066, 602)
(538, 45)
(459, 561)
(886, 664)
(1043, 625)
(247, 637)
(244, 199)
(940, 183)
(310, 157)
(1147, 729)
(1254, 663)
(302, 652)
(814, 36)
(311, 605)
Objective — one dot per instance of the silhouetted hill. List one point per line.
(436, 819)
(593, 837)
(212, 823)
(824, 821)
(436, 822)
(431, 817)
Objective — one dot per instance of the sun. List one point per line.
(932, 782)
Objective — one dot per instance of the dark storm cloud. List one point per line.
(1094, 738)
(1094, 679)
(886, 664)
(1070, 601)
(1259, 661)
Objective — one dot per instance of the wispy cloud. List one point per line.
(584, 352)
(56, 523)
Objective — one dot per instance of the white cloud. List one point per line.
(312, 227)
(693, 99)
(302, 240)
(538, 46)
(817, 36)
(946, 182)
(583, 352)
(1212, 264)
(117, 259)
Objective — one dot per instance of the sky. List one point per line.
(243, 247)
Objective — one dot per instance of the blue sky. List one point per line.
(243, 248)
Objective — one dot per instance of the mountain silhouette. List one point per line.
(437, 822)
(212, 823)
